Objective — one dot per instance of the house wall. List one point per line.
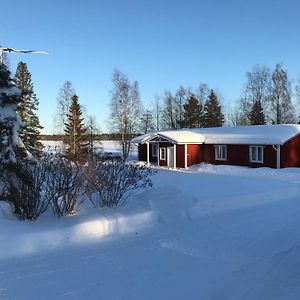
(142, 152)
(290, 153)
(239, 155)
(180, 161)
(194, 154)
(236, 155)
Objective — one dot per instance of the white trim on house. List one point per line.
(185, 156)
(175, 156)
(162, 153)
(148, 154)
(221, 152)
(256, 154)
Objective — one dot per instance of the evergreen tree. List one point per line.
(213, 116)
(75, 132)
(30, 134)
(192, 114)
(257, 116)
(11, 147)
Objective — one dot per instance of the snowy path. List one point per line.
(195, 235)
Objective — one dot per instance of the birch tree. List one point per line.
(65, 95)
(282, 109)
(125, 110)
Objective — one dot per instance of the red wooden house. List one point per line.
(275, 146)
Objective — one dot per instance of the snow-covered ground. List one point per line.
(108, 147)
(210, 232)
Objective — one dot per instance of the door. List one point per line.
(170, 157)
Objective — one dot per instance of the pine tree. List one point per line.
(257, 116)
(28, 107)
(75, 132)
(192, 114)
(213, 116)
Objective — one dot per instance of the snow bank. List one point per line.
(25, 238)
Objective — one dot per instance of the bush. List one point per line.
(112, 180)
(23, 186)
(54, 181)
(63, 187)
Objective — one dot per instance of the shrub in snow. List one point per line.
(111, 181)
(64, 185)
(25, 191)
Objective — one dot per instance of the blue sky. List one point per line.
(162, 44)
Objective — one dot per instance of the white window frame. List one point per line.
(255, 159)
(154, 149)
(219, 152)
(162, 151)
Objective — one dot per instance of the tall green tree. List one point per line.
(257, 116)
(28, 106)
(11, 146)
(213, 116)
(75, 132)
(192, 114)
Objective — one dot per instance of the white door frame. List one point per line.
(169, 156)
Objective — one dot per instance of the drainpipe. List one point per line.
(277, 149)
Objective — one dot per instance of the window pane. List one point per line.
(253, 153)
(259, 153)
(223, 152)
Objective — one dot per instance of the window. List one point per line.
(220, 152)
(162, 153)
(256, 154)
(154, 150)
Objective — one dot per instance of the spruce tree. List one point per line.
(192, 113)
(257, 116)
(75, 132)
(30, 134)
(11, 147)
(12, 151)
(213, 116)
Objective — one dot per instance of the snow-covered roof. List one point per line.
(238, 135)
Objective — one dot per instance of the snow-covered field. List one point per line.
(210, 232)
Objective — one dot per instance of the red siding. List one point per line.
(236, 155)
(180, 156)
(194, 154)
(290, 153)
(239, 155)
(142, 152)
